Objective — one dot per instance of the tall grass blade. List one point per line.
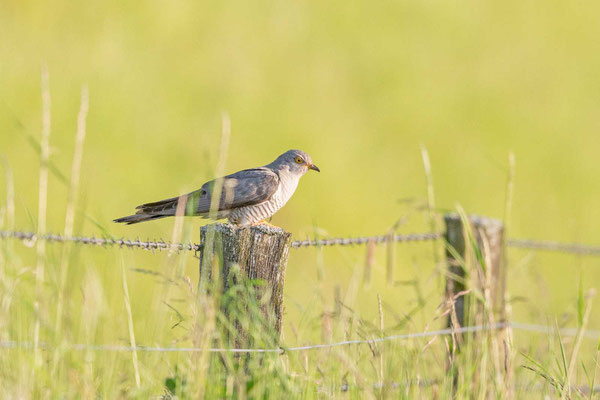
(10, 194)
(566, 386)
(217, 189)
(42, 208)
(433, 220)
(580, 334)
(580, 303)
(132, 342)
(72, 202)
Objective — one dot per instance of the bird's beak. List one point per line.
(314, 167)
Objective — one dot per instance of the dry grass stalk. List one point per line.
(507, 337)
(225, 135)
(72, 201)
(327, 326)
(218, 186)
(42, 207)
(77, 159)
(205, 307)
(131, 330)
(578, 339)
(390, 257)
(433, 220)
(10, 195)
(381, 333)
(10, 216)
(178, 225)
(206, 316)
(337, 300)
(369, 261)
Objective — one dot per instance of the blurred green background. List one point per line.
(359, 86)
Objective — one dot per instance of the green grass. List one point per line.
(101, 301)
(364, 89)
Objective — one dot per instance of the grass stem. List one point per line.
(42, 208)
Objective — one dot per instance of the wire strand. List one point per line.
(123, 242)
(281, 350)
(575, 248)
(520, 326)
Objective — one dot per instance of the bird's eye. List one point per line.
(299, 160)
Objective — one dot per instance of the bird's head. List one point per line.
(295, 161)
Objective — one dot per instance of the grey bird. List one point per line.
(248, 197)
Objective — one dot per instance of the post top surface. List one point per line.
(476, 220)
(261, 228)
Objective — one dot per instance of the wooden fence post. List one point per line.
(260, 252)
(475, 262)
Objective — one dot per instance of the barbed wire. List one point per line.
(158, 245)
(378, 239)
(163, 245)
(591, 334)
(576, 248)
(123, 242)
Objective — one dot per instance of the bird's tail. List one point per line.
(137, 218)
(150, 211)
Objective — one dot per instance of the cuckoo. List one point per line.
(247, 197)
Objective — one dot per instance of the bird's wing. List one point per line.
(243, 188)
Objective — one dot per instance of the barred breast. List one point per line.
(255, 213)
(258, 212)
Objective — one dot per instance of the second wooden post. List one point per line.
(475, 264)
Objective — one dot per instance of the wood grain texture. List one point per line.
(260, 252)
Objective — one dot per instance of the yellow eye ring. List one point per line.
(299, 160)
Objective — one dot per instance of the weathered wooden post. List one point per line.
(475, 261)
(260, 252)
